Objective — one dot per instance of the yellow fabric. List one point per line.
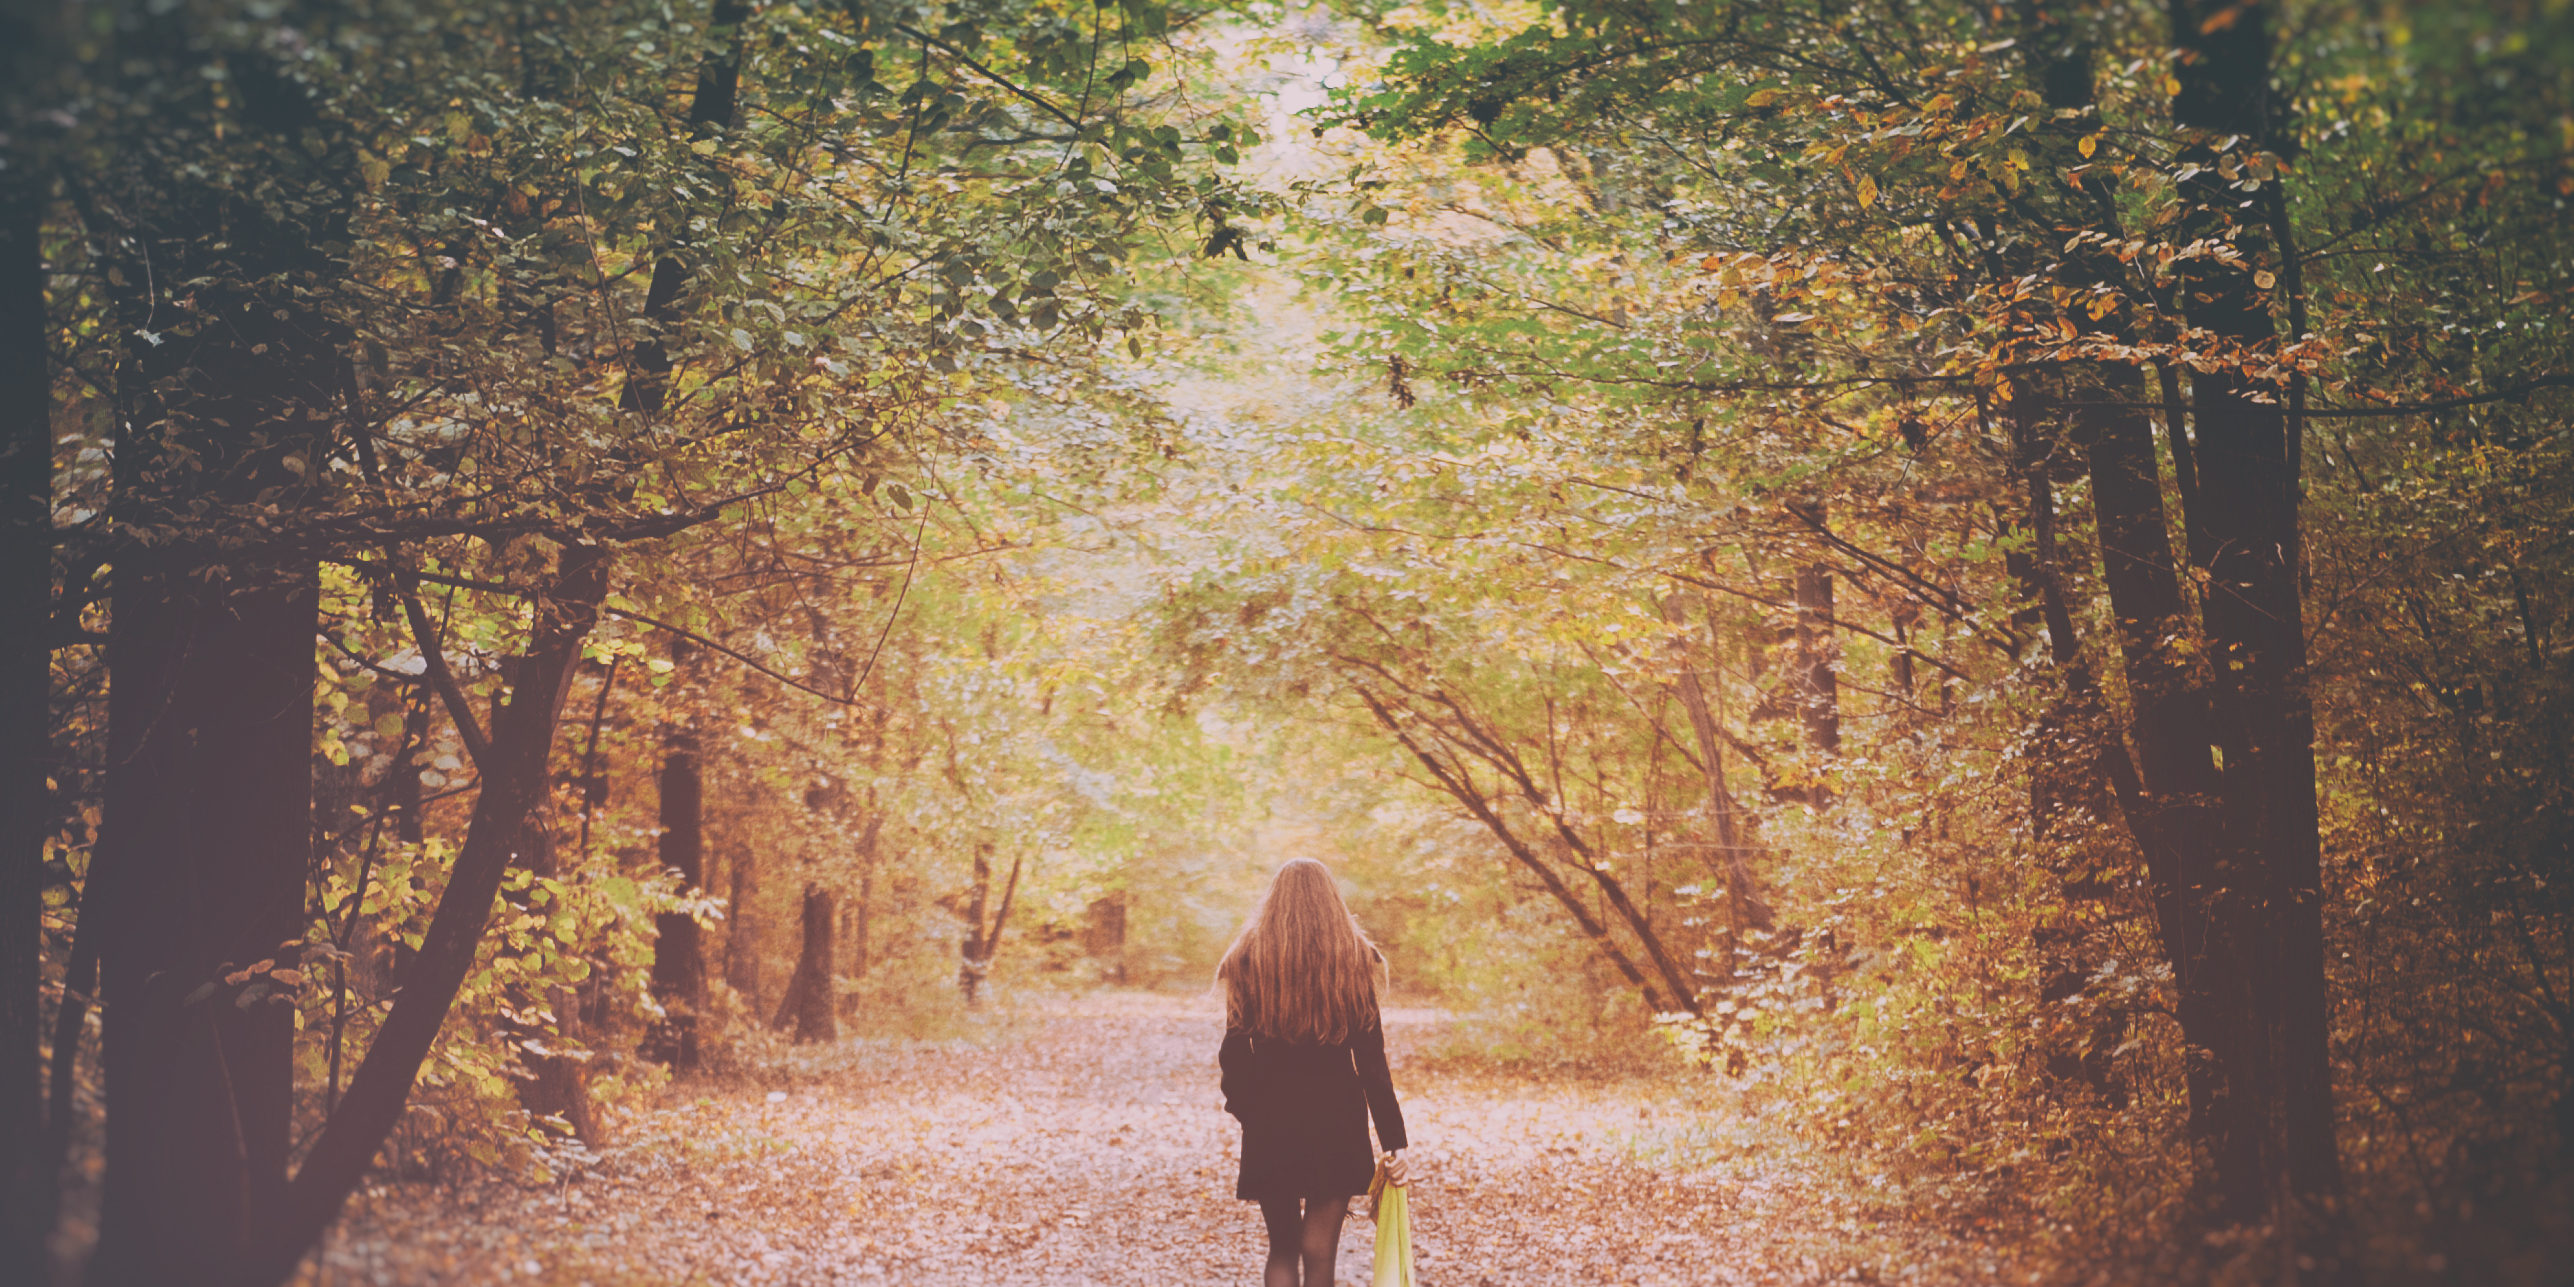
(1393, 1232)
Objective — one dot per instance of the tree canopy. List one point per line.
(1993, 575)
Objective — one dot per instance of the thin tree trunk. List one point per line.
(742, 924)
(808, 1002)
(2078, 767)
(1464, 792)
(710, 112)
(1818, 681)
(983, 942)
(1493, 751)
(558, 1082)
(1744, 910)
(679, 952)
(514, 785)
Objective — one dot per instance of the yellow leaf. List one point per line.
(1762, 98)
(2090, 144)
(1867, 191)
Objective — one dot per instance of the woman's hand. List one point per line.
(1395, 1172)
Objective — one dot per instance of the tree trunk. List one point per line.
(26, 591)
(808, 1001)
(2076, 769)
(710, 112)
(974, 963)
(1744, 910)
(864, 909)
(2174, 816)
(1818, 683)
(2247, 462)
(209, 802)
(1459, 788)
(742, 925)
(514, 786)
(558, 1081)
(679, 953)
(1104, 935)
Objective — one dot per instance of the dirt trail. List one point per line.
(1094, 1151)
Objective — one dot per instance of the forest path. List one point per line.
(1091, 1149)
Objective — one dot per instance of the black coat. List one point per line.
(1304, 1111)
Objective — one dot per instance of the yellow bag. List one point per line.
(1393, 1232)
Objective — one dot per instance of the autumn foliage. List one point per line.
(1971, 596)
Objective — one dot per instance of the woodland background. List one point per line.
(1991, 578)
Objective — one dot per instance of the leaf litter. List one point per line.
(1083, 1142)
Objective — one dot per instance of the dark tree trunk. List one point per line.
(710, 112)
(742, 925)
(679, 953)
(26, 589)
(808, 1001)
(206, 833)
(2171, 794)
(557, 1084)
(205, 837)
(2175, 815)
(2076, 767)
(209, 803)
(1104, 935)
(514, 786)
(2247, 461)
(974, 963)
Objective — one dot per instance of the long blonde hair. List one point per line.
(1301, 969)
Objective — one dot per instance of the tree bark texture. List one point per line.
(679, 951)
(557, 1084)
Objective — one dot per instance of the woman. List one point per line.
(1304, 1066)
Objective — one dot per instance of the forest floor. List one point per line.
(1083, 1143)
